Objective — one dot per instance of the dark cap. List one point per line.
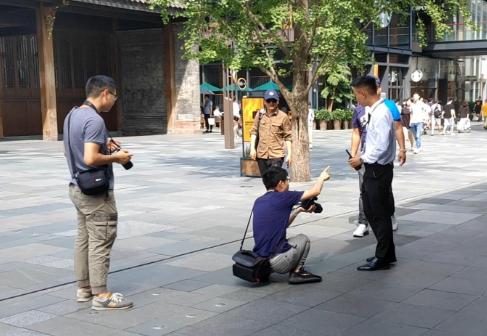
(271, 94)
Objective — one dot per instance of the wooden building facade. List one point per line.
(48, 49)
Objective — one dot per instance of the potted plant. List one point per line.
(347, 118)
(323, 116)
(337, 117)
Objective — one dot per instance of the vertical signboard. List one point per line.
(250, 107)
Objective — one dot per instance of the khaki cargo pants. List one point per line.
(97, 230)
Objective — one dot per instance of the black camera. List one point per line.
(306, 204)
(127, 165)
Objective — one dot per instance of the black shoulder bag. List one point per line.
(91, 182)
(249, 266)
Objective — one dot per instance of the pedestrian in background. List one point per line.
(406, 121)
(271, 135)
(435, 117)
(464, 123)
(207, 113)
(477, 108)
(484, 113)
(449, 116)
(419, 114)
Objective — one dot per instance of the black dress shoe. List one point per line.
(372, 258)
(303, 277)
(374, 265)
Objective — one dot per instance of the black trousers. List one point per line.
(265, 164)
(379, 207)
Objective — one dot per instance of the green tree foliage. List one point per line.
(298, 39)
(337, 86)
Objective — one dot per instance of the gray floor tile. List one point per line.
(26, 303)
(283, 330)
(389, 328)
(62, 326)
(441, 299)
(308, 296)
(7, 330)
(27, 318)
(417, 316)
(362, 306)
(222, 325)
(461, 285)
(323, 322)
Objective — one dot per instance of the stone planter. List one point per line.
(337, 124)
(346, 124)
(323, 125)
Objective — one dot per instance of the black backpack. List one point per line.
(437, 111)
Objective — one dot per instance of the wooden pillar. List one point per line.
(170, 76)
(45, 26)
(115, 68)
(1, 116)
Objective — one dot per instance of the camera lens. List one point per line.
(128, 165)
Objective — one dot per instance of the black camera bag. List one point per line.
(249, 266)
(93, 181)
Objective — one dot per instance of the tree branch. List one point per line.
(261, 26)
(273, 75)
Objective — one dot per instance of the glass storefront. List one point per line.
(462, 32)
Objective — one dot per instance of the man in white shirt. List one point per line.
(419, 114)
(377, 157)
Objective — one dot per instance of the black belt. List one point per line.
(378, 164)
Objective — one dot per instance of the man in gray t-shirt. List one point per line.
(88, 145)
(87, 126)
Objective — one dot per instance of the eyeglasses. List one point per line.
(113, 94)
(271, 101)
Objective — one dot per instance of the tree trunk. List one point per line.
(329, 104)
(300, 170)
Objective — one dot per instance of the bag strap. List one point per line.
(245, 233)
(246, 229)
(258, 122)
(73, 166)
(90, 104)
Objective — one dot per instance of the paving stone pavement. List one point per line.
(183, 208)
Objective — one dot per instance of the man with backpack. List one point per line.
(435, 116)
(449, 116)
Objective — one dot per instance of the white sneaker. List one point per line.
(361, 231)
(395, 224)
(83, 295)
(113, 302)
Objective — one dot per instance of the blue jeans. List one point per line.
(417, 129)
